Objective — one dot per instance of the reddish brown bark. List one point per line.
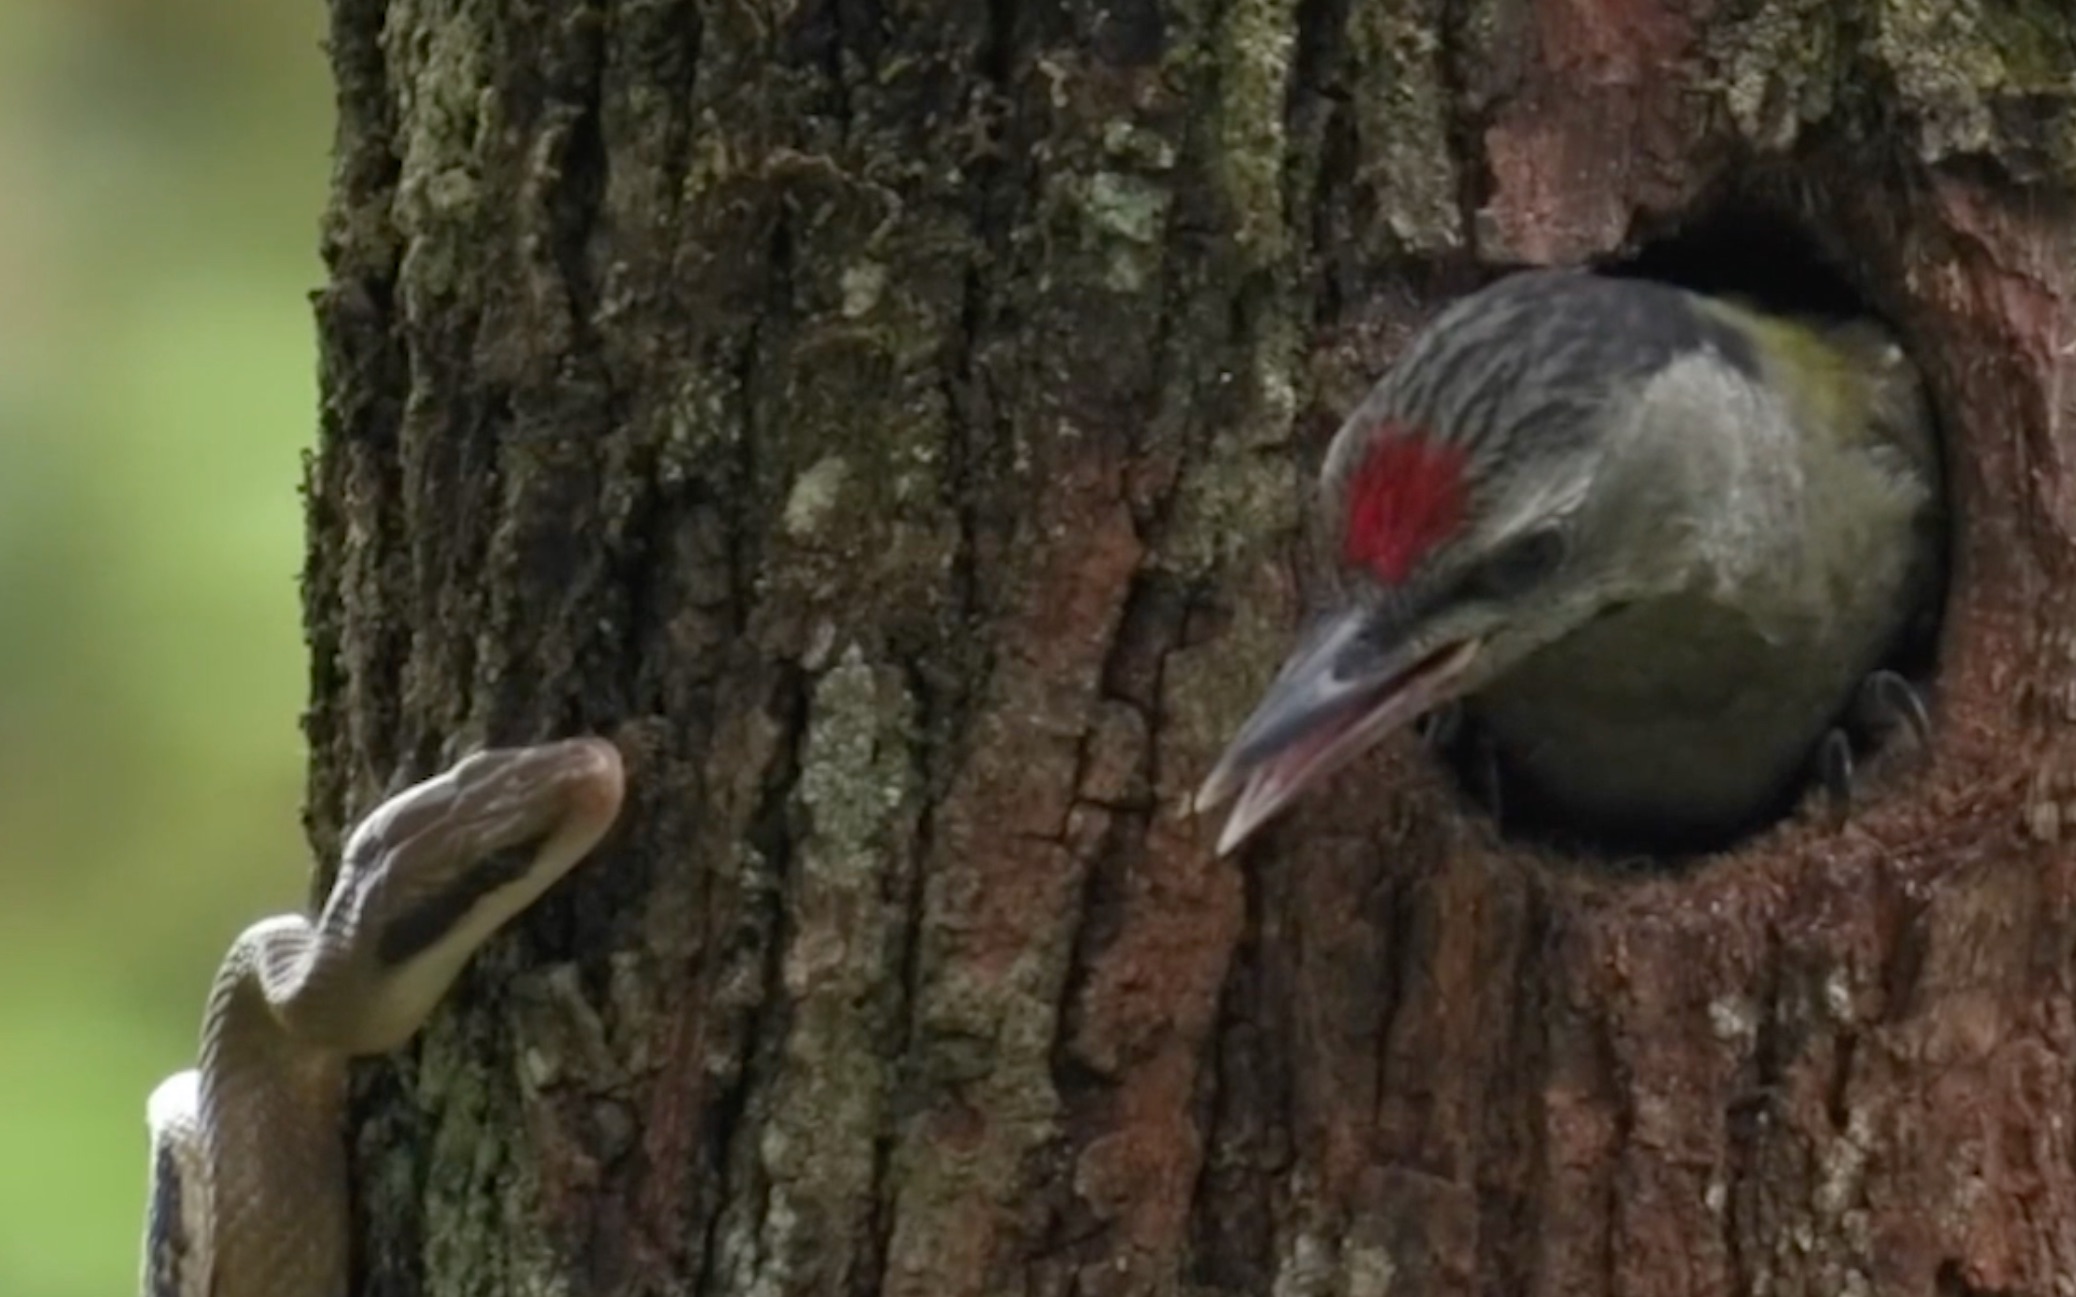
(892, 423)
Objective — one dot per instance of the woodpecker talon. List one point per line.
(1659, 539)
(1835, 766)
(1890, 696)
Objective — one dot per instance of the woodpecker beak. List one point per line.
(1335, 697)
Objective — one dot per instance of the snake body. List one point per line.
(249, 1181)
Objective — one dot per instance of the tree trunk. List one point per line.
(893, 423)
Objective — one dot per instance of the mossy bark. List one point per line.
(892, 421)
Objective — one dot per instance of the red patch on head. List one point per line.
(1406, 497)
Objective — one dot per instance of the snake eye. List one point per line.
(1521, 565)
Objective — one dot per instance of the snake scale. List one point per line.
(248, 1171)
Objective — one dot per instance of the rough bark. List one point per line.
(891, 422)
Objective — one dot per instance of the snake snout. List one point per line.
(597, 781)
(509, 796)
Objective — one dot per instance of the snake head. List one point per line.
(433, 871)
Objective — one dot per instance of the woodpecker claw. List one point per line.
(1835, 765)
(1885, 700)
(1897, 701)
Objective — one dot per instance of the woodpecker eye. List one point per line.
(1523, 564)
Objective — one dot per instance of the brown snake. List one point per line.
(248, 1183)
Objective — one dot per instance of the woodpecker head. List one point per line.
(1490, 495)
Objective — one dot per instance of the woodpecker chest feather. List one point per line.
(1674, 720)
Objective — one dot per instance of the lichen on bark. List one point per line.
(893, 424)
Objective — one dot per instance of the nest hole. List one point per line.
(1770, 262)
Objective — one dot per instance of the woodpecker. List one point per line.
(1651, 543)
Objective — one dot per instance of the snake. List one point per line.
(249, 1193)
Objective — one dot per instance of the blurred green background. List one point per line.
(162, 169)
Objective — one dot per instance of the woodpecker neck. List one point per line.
(1865, 471)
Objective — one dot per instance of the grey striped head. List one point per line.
(1494, 417)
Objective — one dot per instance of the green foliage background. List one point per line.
(162, 169)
